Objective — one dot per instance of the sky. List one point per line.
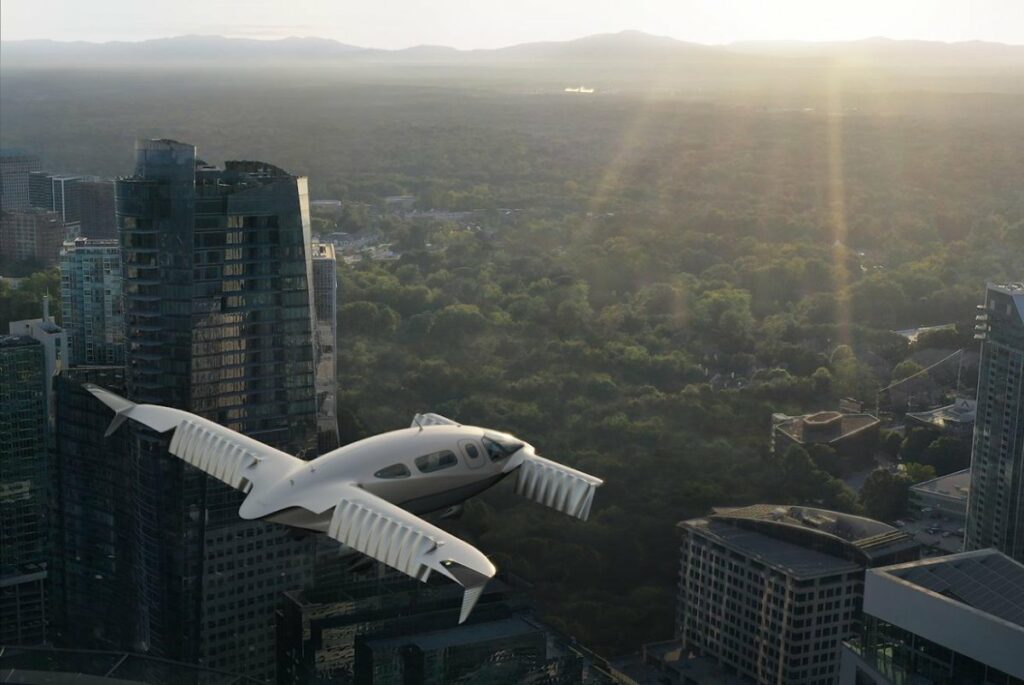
(469, 24)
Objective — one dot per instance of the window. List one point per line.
(500, 446)
(395, 471)
(472, 451)
(435, 461)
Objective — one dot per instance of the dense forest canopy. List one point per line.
(680, 266)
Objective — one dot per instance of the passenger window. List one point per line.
(435, 461)
(472, 451)
(394, 471)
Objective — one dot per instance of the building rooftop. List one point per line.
(805, 541)
(792, 558)
(323, 251)
(825, 426)
(460, 635)
(17, 341)
(959, 413)
(952, 485)
(91, 667)
(985, 580)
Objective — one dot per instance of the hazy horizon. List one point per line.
(466, 25)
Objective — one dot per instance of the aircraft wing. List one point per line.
(557, 486)
(405, 542)
(228, 456)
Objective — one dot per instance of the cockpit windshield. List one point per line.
(500, 446)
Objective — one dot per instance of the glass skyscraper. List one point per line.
(91, 301)
(92, 583)
(995, 506)
(23, 490)
(218, 321)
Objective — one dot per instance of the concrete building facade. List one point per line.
(769, 592)
(15, 166)
(32, 234)
(325, 299)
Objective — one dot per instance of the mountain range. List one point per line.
(620, 48)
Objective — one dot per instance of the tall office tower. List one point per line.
(15, 166)
(91, 301)
(96, 209)
(956, 619)
(92, 517)
(32, 234)
(771, 591)
(55, 192)
(995, 506)
(23, 490)
(40, 190)
(325, 299)
(218, 321)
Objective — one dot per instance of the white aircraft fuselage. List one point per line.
(473, 468)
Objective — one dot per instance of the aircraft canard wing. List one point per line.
(432, 419)
(405, 542)
(230, 457)
(557, 486)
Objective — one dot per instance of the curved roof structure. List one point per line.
(844, 535)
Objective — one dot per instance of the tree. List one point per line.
(947, 455)
(915, 444)
(919, 473)
(884, 495)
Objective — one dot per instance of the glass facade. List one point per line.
(23, 490)
(904, 658)
(218, 321)
(92, 310)
(995, 508)
(93, 522)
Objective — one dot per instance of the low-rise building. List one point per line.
(953, 619)
(769, 591)
(955, 420)
(942, 497)
(854, 437)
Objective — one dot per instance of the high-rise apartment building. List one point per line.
(952, 620)
(769, 592)
(995, 507)
(218, 317)
(32, 234)
(23, 490)
(15, 166)
(92, 312)
(325, 299)
(96, 209)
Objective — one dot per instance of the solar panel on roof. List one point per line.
(991, 583)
